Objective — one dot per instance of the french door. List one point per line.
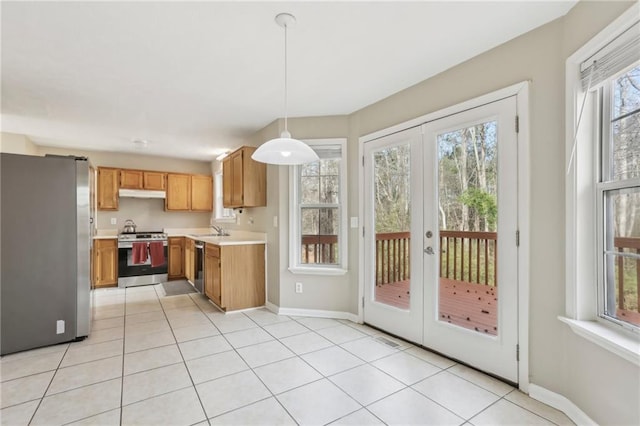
(394, 297)
(441, 258)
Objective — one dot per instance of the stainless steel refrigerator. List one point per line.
(46, 235)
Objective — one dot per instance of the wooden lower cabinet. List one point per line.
(189, 259)
(234, 276)
(105, 262)
(176, 258)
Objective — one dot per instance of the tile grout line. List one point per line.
(48, 386)
(124, 342)
(184, 362)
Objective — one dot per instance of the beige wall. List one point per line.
(148, 214)
(603, 385)
(17, 144)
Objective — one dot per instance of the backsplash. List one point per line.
(149, 214)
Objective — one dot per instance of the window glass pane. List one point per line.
(625, 128)
(319, 240)
(309, 190)
(310, 221)
(623, 260)
(626, 93)
(329, 189)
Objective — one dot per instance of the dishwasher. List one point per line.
(198, 275)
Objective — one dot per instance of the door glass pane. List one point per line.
(468, 213)
(392, 218)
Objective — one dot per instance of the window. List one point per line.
(221, 214)
(318, 213)
(603, 188)
(618, 197)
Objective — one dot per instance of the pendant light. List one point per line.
(285, 150)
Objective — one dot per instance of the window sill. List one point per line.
(317, 271)
(624, 346)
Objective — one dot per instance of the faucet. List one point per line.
(218, 229)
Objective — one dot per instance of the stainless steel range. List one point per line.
(142, 258)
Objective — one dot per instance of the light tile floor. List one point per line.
(153, 360)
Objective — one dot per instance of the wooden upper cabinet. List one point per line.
(201, 193)
(107, 188)
(226, 182)
(155, 181)
(244, 180)
(131, 179)
(142, 179)
(178, 192)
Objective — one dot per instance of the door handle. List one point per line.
(429, 250)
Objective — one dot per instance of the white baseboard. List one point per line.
(561, 403)
(315, 313)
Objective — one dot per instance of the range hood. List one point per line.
(142, 193)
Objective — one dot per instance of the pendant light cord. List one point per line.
(285, 78)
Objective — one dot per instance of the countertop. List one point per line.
(236, 237)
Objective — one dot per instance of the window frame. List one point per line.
(581, 233)
(295, 266)
(221, 214)
(605, 186)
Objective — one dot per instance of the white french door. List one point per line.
(393, 296)
(441, 258)
(471, 273)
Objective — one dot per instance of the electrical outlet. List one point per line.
(298, 287)
(354, 222)
(114, 221)
(60, 327)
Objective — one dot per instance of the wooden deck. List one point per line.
(468, 305)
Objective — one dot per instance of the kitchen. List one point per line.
(124, 256)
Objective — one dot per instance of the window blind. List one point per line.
(328, 151)
(617, 55)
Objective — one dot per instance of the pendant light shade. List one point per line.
(285, 150)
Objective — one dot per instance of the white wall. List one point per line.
(604, 386)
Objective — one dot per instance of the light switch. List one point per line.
(60, 327)
(275, 221)
(354, 222)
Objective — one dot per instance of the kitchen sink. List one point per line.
(225, 234)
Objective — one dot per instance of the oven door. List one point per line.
(140, 273)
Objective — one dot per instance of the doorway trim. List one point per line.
(521, 91)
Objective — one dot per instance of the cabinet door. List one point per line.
(176, 258)
(189, 259)
(237, 179)
(131, 179)
(201, 193)
(178, 192)
(107, 189)
(209, 269)
(106, 263)
(226, 182)
(155, 181)
(216, 285)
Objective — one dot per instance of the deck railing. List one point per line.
(321, 249)
(393, 261)
(469, 256)
(621, 244)
(465, 256)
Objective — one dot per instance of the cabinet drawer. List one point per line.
(212, 250)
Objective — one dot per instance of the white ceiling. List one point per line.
(195, 78)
